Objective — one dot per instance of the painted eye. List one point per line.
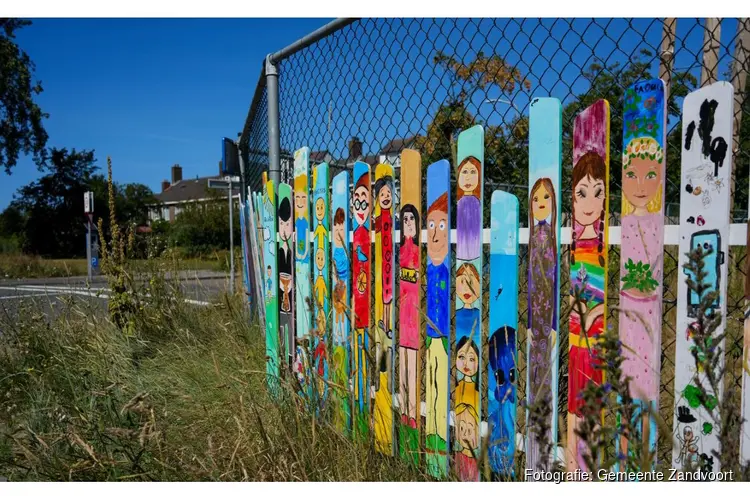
(546, 196)
(651, 175)
(512, 375)
(432, 224)
(442, 226)
(630, 175)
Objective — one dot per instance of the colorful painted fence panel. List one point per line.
(744, 430)
(271, 298)
(285, 257)
(437, 394)
(410, 304)
(340, 256)
(468, 364)
(303, 295)
(321, 279)
(545, 171)
(588, 263)
(257, 268)
(707, 118)
(361, 210)
(641, 252)
(384, 313)
(503, 351)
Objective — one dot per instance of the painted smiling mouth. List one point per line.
(467, 295)
(588, 214)
(640, 196)
(542, 207)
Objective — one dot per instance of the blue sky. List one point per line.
(148, 92)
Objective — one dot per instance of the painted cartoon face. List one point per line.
(268, 271)
(588, 199)
(320, 259)
(467, 430)
(467, 288)
(467, 360)
(300, 202)
(339, 235)
(468, 177)
(320, 209)
(285, 229)
(385, 198)
(641, 181)
(437, 232)
(541, 203)
(361, 204)
(409, 225)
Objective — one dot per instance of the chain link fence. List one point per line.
(377, 86)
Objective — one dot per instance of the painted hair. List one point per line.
(363, 181)
(590, 165)
(463, 407)
(339, 217)
(470, 160)
(467, 268)
(410, 209)
(285, 210)
(504, 337)
(384, 181)
(439, 205)
(466, 340)
(300, 182)
(547, 183)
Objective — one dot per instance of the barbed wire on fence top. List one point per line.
(378, 86)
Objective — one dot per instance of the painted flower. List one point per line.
(652, 148)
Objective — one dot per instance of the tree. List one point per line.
(202, 228)
(21, 128)
(52, 205)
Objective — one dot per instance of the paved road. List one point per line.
(198, 287)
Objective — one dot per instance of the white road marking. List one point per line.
(101, 293)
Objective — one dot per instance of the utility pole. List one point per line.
(88, 210)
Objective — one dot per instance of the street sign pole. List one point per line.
(88, 245)
(231, 239)
(88, 209)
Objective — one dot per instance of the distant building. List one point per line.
(179, 193)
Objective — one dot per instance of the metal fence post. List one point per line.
(274, 138)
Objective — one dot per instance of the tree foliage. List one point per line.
(202, 228)
(46, 216)
(21, 128)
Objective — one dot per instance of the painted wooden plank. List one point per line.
(744, 430)
(437, 343)
(245, 251)
(503, 350)
(410, 304)
(256, 268)
(361, 246)
(467, 372)
(642, 244)
(707, 117)
(285, 257)
(545, 171)
(303, 292)
(321, 280)
(384, 314)
(588, 264)
(270, 278)
(341, 294)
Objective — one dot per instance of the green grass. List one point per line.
(182, 399)
(19, 266)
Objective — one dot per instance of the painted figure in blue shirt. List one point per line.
(438, 227)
